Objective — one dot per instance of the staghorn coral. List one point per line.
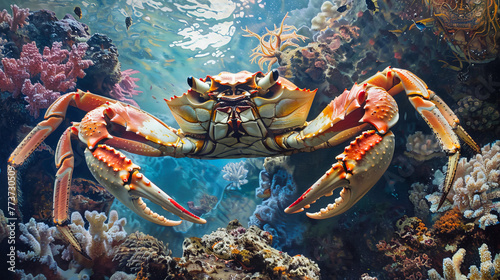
(273, 42)
(236, 173)
(475, 188)
(100, 239)
(488, 269)
(422, 147)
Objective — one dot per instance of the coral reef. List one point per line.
(239, 252)
(408, 249)
(475, 187)
(236, 174)
(477, 114)
(326, 17)
(47, 253)
(144, 254)
(488, 269)
(272, 43)
(18, 18)
(53, 72)
(278, 190)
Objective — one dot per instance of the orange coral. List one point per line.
(272, 42)
(451, 221)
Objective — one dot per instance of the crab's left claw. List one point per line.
(361, 165)
(124, 181)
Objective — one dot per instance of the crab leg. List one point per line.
(361, 165)
(440, 119)
(123, 180)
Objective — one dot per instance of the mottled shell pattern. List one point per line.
(279, 103)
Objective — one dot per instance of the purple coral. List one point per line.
(53, 72)
(126, 88)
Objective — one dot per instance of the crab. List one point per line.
(241, 115)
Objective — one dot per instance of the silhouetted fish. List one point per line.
(372, 5)
(342, 9)
(128, 22)
(78, 11)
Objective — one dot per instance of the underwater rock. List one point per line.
(105, 73)
(278, 190)
(45, 29)
(144, 254)
(243, 252)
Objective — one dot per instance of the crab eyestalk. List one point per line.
(268, 81)
(198, 85)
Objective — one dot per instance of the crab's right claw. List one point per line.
(124, 181)
(361, 165)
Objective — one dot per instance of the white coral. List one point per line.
(475, 187)
(489, 268)
(236, 173)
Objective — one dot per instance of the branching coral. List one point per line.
(18, 18)
(475, 188)
(47, 256)
(236, 173)
(272, 42)
(489, 268)
(53, 72)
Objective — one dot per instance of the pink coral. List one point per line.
(126, 87)
(53, 72)
(18, 18)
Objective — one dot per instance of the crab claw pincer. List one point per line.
(361, 165)
(123, 180)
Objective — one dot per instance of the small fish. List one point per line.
(420, 26)
(372, 5)
(128, 22)
(78, 12)
(342, 8)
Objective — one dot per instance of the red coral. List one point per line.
(53, 72)
(18, 18)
